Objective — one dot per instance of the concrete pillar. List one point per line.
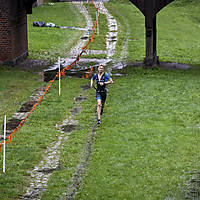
(151, 57)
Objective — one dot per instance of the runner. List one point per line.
(102, 79)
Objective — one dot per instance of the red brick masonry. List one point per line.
(13, 32)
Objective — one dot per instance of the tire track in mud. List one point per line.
(80, 172)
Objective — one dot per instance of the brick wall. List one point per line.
(13, 32)
(38, 3)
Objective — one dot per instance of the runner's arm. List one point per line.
(91, 82)
(110, 81)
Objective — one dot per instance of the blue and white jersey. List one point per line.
(104, 78)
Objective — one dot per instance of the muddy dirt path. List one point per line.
(86, 34)
(111, 38)
(22, 113)
(81, 170)
(40, 175)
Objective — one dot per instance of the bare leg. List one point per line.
(102, 107)
(99, 108)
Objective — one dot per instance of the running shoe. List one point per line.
(98, 121)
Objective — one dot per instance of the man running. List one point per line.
(102, 79)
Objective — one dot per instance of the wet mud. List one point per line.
(81, 169)
(21, 114)
(79, 99)
(69, 128)
(85, 87)
(76, 111)
(11, 125)
(40, 175)
(26, 107)
(193, 187)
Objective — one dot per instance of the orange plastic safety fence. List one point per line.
(88, 74)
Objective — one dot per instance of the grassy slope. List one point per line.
(16, 87)
(74, 149)
(44, 43)
(99, 42)
(178, 31)
(146, 146)
(148, 142)
(126, 13)
(32, 140)
(48, 43)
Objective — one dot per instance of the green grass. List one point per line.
(73, 151)
(99, 42)
(32, 140)
(16, 87)
(145, 148)
(181, 43)
(127, 14)
(147, 145)
(49, 43)
(177, 26)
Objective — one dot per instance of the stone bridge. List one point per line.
(13, 28)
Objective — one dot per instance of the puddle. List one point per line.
(80, 99)
(49, 170)
(85, 87)
(69, 128)
(73, 28)
(17, 117)
(118, 74)
(84, 38)
(77, 70)
(27, 106)
(11, 125)
(76, 111)
(119, 66)
(172, 66)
